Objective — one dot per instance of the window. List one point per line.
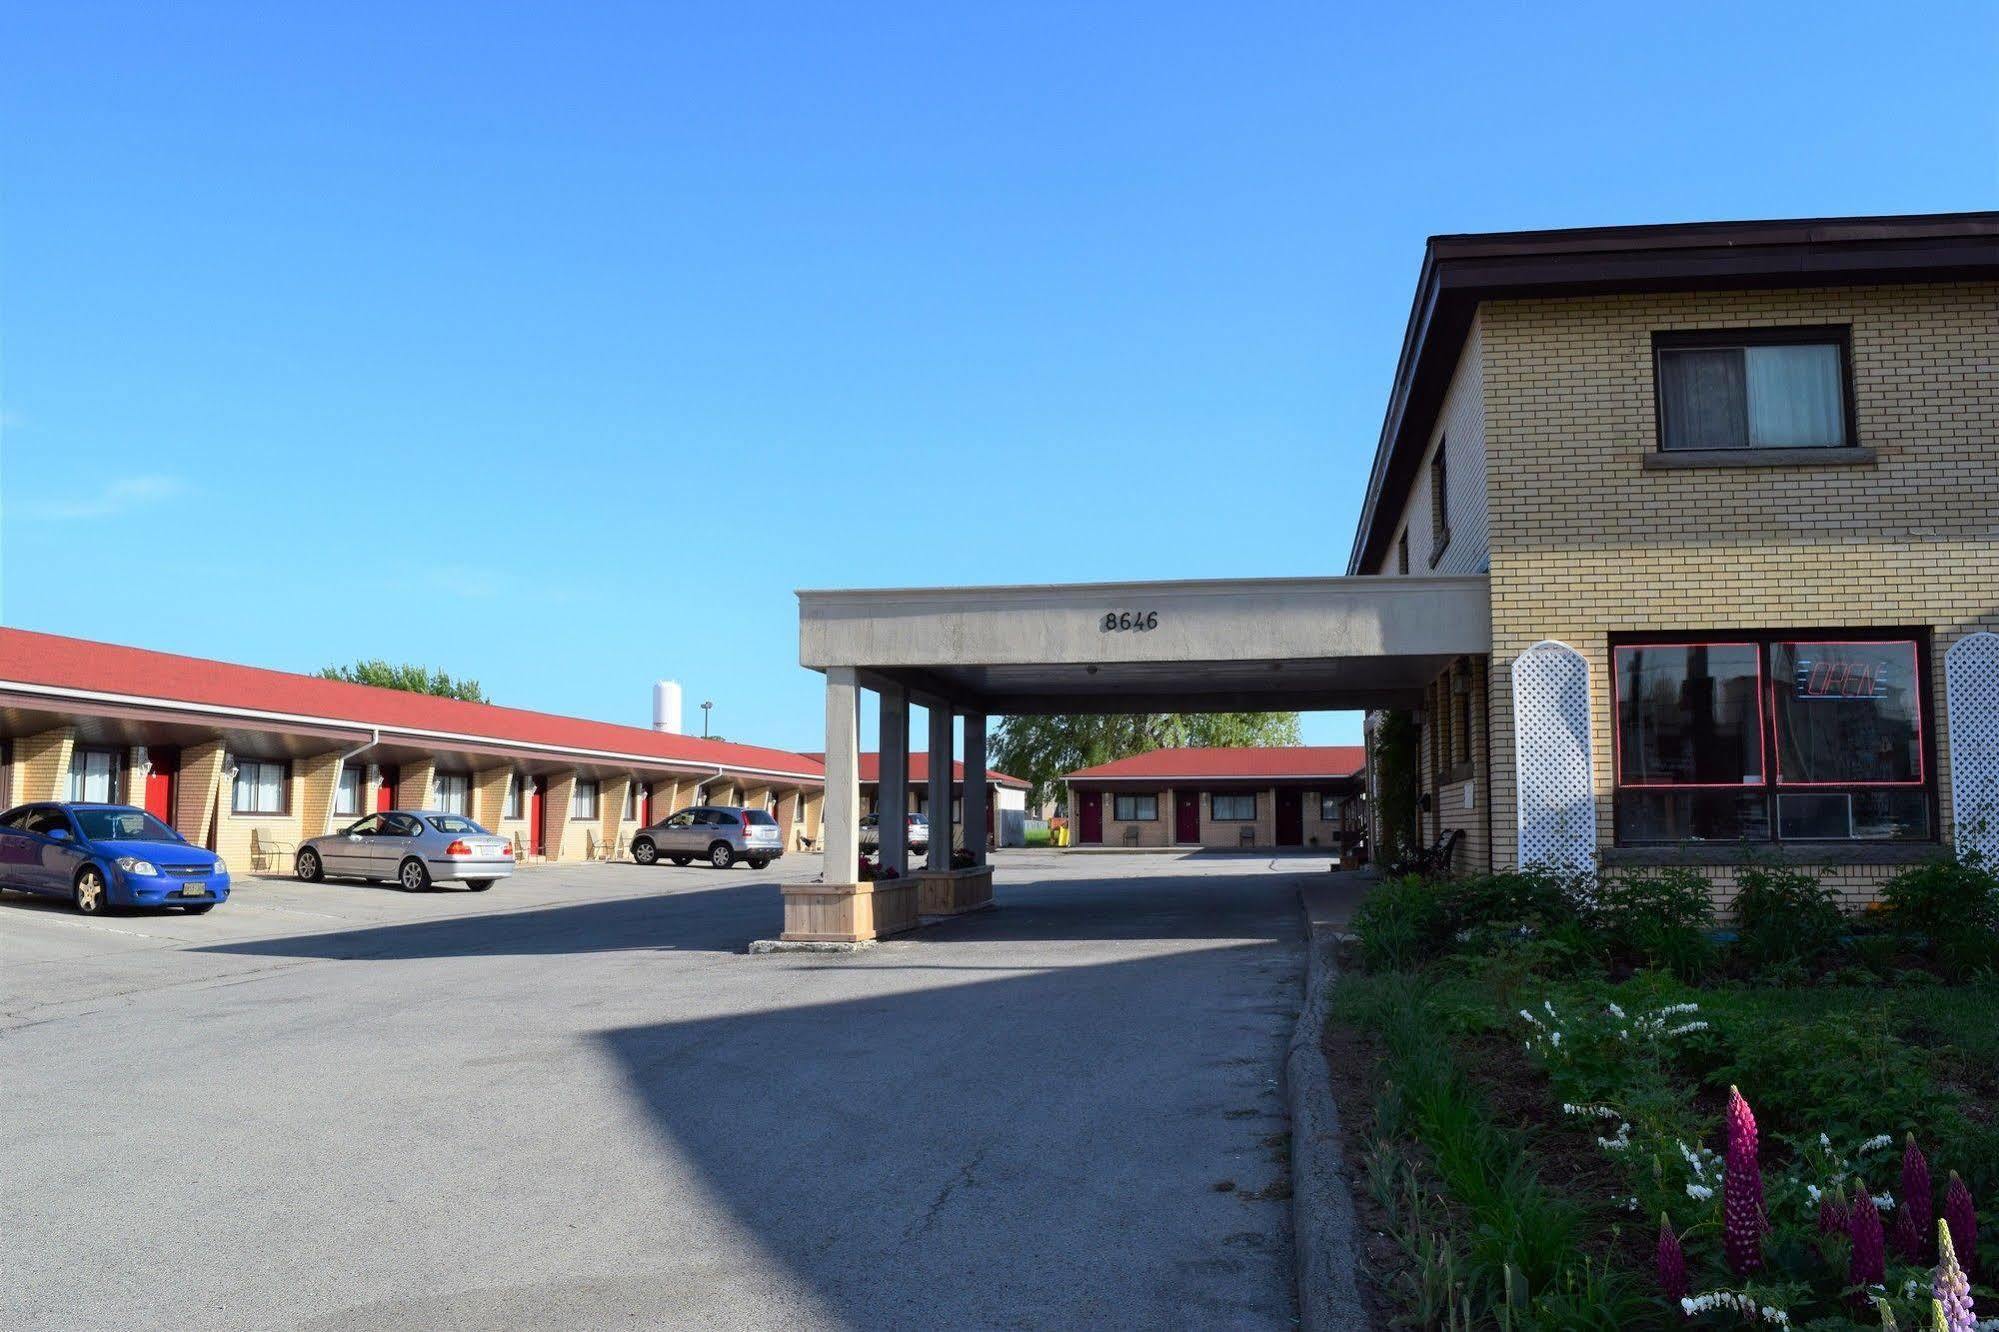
(1402, 552)
(1233, 808)
(261, 787)
(454, 825)
(583, 805)
(631, 802)
(1329, 808)
(451, 791)
(347, 792)
(1440, 503)
(1764, 388)
(93, 775)
(1135, 808)
(512, 808)
(1772, 738)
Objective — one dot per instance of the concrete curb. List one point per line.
(1322, 1215)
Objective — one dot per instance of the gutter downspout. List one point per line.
(345, 759)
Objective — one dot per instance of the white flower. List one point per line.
(1885, 1202)
(1686, 1027)
(1825, 1142)
(1812, 1192)
(1699, 1192)
(1617, 1012)
(1875, 1144)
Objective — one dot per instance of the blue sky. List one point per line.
(537, 343)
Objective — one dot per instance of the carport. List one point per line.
(971, 653)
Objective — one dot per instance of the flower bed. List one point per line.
(1589, 1103)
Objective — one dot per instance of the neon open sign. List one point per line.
(1841, 675)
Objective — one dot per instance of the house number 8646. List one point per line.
(1129, 621)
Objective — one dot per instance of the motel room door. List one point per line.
(536, 807)
(385, 791)
(160, 782)
(1187, 817)
(1089, 818)
(1290, 818)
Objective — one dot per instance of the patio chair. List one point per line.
(267, 853)
(1131, 836)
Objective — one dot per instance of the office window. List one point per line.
(1776, 388)
(512, 808)
(583, 805)
(261, 787)
(1135, 808)
(1772, 739)
(1233, 808)
(451, 792)
(347, 793)
(1440, 503)
(93, 775)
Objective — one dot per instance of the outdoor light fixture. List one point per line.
(705, 706)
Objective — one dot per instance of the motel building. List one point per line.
(1680, 545)
(1294, 796)
(250, 762)
(1006, 798)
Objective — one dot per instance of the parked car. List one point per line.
(919, 832)
(718, 834)
(412, 847)
(101, 856)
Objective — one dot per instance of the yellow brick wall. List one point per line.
(200, 790)
(489, 797)
(276, 836)
(314, 780)
(1151, 832)
(416, 785)
(1586, 542)
(42, 762)
(1230, 833)
(611, 813)
(564, 835)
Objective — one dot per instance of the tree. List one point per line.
(409, 678)
(1041, 750)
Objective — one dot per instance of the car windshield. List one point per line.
(757, 816)
(454, 824)
(123, 825)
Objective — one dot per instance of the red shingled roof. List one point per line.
(1293, 761)
(919, 769)
(76, 664)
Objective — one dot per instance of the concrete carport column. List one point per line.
(941, 757)
(892, 788)
(948, 891)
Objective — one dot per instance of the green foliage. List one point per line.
(1953, 903)
(1785, 915)
(1660, 919)
(408, 678)
(1042, 750)
(1397, 740)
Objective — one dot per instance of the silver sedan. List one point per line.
(411, 847)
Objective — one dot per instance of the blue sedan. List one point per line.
(100, 856)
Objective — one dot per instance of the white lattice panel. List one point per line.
(1971, 682)
(1551, 757)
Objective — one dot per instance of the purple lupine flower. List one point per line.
(1963, 1223)
(1951, 1287)
(1918, 1197)
(1868, 1266)
(1905, 1239)
(1672, 1263)
(1742, 1217)
(1832, 1212)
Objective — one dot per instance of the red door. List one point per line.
(385, 794)
(645, 804)
(1089, 817)
(1187, 816)
(1290, 818)
(160, 783)
(534, 821)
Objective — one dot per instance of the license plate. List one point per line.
(194, 890)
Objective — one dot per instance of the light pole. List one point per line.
(704, 719)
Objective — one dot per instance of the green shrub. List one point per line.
(1658, 920)
(1786, 915)
(1401, 923)
(1953, 903)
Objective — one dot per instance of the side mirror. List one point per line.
(59, 834)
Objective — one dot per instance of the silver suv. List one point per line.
(718, 834)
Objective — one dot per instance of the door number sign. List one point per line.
(1128, 622)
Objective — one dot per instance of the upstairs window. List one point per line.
(1440, 503)
(1753, 388)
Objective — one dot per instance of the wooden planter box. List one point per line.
(955, 891)
(849, 912)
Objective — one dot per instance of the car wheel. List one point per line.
(721, 855)
(308, 866)
(680, 860)
(413, 876)
(201, 910)
(478, 885)
(89, 893)
(758, 862)
(644, 851)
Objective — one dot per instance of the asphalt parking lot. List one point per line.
(574, 1101)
